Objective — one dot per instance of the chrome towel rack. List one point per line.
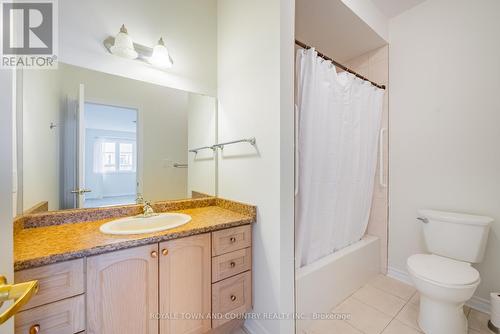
(252, 141)
(195, 150)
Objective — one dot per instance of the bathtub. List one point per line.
(322, 285)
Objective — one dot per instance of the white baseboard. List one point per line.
(400, 275)
(476, 303)
(480, 304)
(253, 326)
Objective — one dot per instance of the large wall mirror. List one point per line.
(90, 139)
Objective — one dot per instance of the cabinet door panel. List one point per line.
(122, 291)
(185, 284)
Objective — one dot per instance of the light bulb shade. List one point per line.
(124, 46)
(161, 57)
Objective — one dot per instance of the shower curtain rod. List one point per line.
(322, 55)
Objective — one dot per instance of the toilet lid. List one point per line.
(442, 270)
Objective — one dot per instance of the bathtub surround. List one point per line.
(339, 275)
(444, 128)
(374, 65)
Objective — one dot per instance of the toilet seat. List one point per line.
(442, 271)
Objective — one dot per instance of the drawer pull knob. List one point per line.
(164, 252)
(35, 329)
(233, 298)
(154, 254)
(232, 264)
(232, 239)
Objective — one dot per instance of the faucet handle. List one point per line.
(423, 220)
(139, 199)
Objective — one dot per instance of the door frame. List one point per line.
(139, 136)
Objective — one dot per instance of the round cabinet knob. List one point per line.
(34, 329)
(164, 252)
(233, 298)
(232, 239)
(154, 254)
(232, 264)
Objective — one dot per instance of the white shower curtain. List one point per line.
(339, 118)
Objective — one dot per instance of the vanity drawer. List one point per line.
(230, 264)
(231, 297)
(56, 281)
(63, 317)
(232, 239)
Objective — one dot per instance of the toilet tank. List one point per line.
(455, 235)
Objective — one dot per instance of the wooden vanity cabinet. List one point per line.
(231, 274)
(122, 291)
(182, 282)
(59, 305)
(128, 290)
(185, 284)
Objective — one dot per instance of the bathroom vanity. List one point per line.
(189, 279)
(92, 146)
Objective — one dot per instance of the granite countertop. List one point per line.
(38, 246)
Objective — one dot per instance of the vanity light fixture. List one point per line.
(161, 58)
(123, 46)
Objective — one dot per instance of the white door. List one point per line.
(80, 190)
(81, 148)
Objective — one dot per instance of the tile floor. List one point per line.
(386, 306)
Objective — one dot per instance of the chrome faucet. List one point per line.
(139, 199)
(147, 210)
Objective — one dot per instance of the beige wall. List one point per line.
(374, 65)
(202, 131)
(41, 94)
(445, 103)
(250, 95)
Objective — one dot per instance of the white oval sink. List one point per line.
(142, 225)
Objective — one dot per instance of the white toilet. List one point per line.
(445, 278)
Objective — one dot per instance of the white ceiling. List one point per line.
(331, 27)
(111, 118)
(391, 8)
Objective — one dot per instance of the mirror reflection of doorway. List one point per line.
(110, 161)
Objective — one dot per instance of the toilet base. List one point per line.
(438, 317)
